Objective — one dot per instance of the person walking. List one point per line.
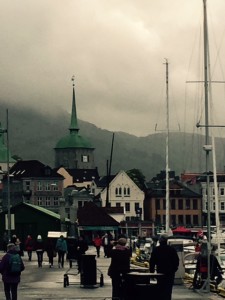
(61, 248)
(50, 249)
(39, 248)
(10, 276)
(106, 242)
(5, 241)
(29, 246)
(119, 267)
(97, 241)
(164, 259)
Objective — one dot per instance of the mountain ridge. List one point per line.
(34, 134)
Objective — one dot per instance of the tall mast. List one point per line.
(167, 149)
(207, 146)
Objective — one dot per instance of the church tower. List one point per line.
(74, 151)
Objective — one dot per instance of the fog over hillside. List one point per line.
(34, 134)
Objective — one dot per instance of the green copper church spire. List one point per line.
(73, 123)
(73, 139)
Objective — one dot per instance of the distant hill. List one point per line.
(34, 134)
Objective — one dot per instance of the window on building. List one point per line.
(157, 203)
(164, 203)
(80, 203)
(180, 219)
(136, 206)
(55, 186)
(158, 219)
(173, 204)
(39, 186)
(47, 201)
(118, 191)
(188, 204)
(39, 201)
(195, 220)
(222, 191)
(118, 204)
(85, 158)
(173, 220)
(126, 191)
(56, 201)
(180, 204)
(47, 186)
(127, 207)
(188, 220)
(222, 205)
(214, 205)
(27, 185)
(195, 203)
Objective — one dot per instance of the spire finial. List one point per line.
(73, 79)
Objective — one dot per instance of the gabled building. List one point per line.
(33, 182)
(93, 219)
(78, 177)
(120, 191)
(185, 205)
(74, 151)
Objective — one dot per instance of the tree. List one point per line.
(137, 176)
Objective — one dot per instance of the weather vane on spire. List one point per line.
(73, 79)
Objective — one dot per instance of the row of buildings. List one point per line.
(74, 181)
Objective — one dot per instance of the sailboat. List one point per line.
(208, 148)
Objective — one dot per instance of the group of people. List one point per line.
(11, 278)
(164, 259)
(105, 241)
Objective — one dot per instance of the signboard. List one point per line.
(12, 216)
(57, 234)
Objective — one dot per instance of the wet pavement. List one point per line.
(48, 283)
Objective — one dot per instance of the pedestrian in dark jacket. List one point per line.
(29, 246)
(39, 247)
(10, 280)
(107, 243)
(5, 241)
(61, 248)
(50, 249)
(164, 259)
(119, 267)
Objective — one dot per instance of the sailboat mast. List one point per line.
(167, 148)
(207, 147)
(206, 91)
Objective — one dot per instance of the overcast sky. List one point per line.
(116, 49)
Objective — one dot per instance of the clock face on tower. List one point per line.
(85, 158)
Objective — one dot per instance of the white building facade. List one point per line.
(123, 192)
